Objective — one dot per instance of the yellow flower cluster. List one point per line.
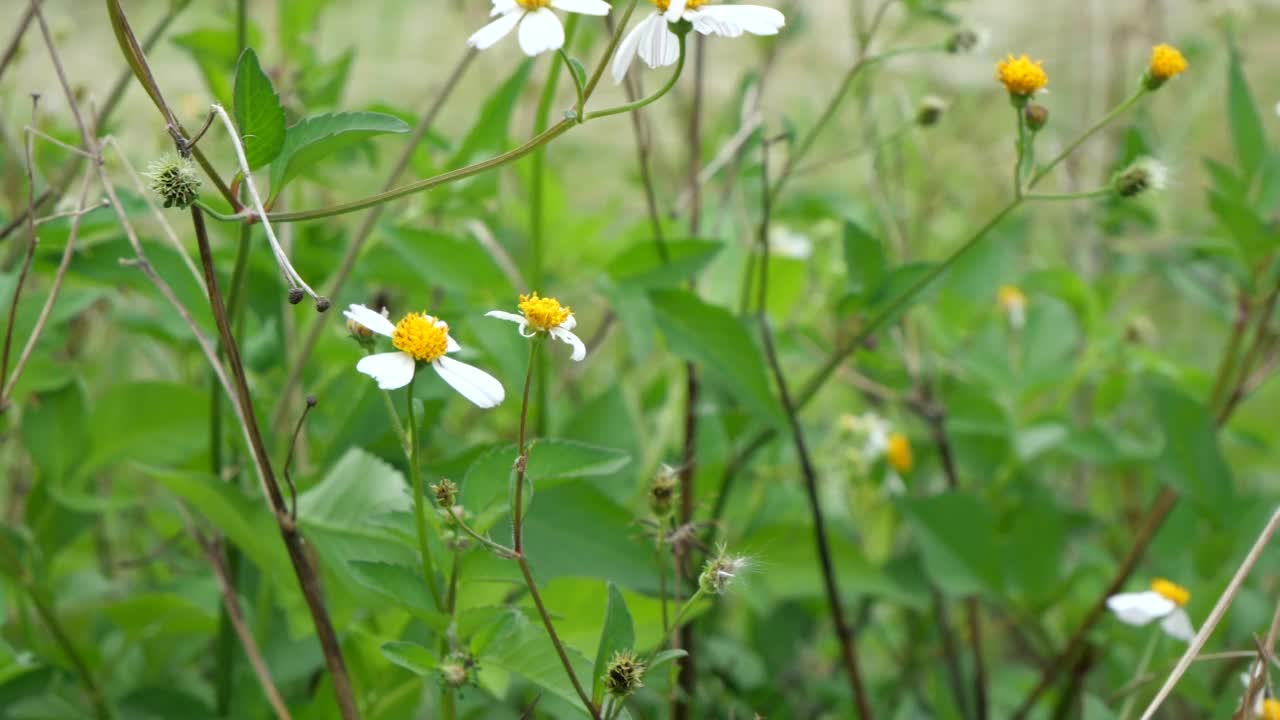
(1020, 76)
(419, 337)
(1166, 62)
(1171, 591)
(543, 313)
(899, 453)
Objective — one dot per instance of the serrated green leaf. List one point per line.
(147, 422)
(713, 339)
(411, 656)
(259, 114)
(552, 463)
(523, 648)
(864, 260)
(1246, 125)
(643, 266)
(618, 634)
(400, 583)
(315, 138)
(957, 536)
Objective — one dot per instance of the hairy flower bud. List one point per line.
(663, 491)
(1143, 174)
(1037, 116)
(456, 669)
(624, 675)
(175, 180)
(930, 112)
(720, 572)
(963, 40)
(446, 493)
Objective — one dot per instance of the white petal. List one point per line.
(486, 36)
(733, 20)
(392, 370)
(579, 350)
(585, 7)
(502, 7)
(510, 317)
(452, 345)
(626, 52)
(659, 47)
(676, 10)
(1178, 624)
(472, 383)
(541, 31)
(370, 319)
(570, 324)
(1140, 608)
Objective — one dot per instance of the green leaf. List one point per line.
(522, 647)
(147, 422)
(413, 256)
(1246, 126)
(259, 114)
(957, 535)
(315, 138)
(641, 265)
(489, 135)
(411, 656)
(1192, 462)
(667, 656)
(552, 463)
(399, 583)
(712, 338)
(618, 634)
(864, 260)
(1245, 227)
(51, 423)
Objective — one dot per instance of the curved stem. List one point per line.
(555, 639)
(498, 548)
(522, 459)
(628, 107)
(596, 74)
(1116, 112)
(419, 502)
(1100, 192)
(1022, 149)
(577, 81)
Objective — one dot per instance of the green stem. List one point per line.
(675, 624)
(555, 639)
(577, 81)
(501, 550)
(1143, 664)
(100, 708)
(596, 74)
(628, 107)
(419, 502)
(1106, 119)
(1022, 149)
(522, 458)
(224, 217)
(1100, 192)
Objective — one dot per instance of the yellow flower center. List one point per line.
(689, 5)
(543, 313)
(1021, 76)
(1171, 591)
(1010, 297)
(418, 336)
(899, 452)
(533, 4)
(1166, 61)
(1270, 709)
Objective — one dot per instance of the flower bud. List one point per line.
(456, 669)
(963, 40)
(663, 491)
(175, 180)
(446, 493)
(1037, 116)
(720, 572)
(1166, 62)
(931, 109)
(361, 334)
(899, 453)
(624, 674)
(1145, 173)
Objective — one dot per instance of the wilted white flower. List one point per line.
(721, 571)
(655, 43)
(545, 315)
(1165, 601)
(540, 29)
(421, 338)
(1145, 173)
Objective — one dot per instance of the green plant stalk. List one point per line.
(644, 102)
(523, 562)
(522, 458)
(1143, 664)
(1022, 148)
(598, 73)
(419, 501)
(451, 176)
(1053, 197)
(1116, 112)
(676, 622)
(101, 709)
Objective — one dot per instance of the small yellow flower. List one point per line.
(1166, 62)
(899, 453)
(1172, 591)
(1270, 709)
(1020, 76)
(421, 337)
(1014, 304)
(545, 315)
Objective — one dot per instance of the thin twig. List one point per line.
(288, 460)
(11, 50)
(32, 240)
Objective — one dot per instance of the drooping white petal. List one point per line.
(733, 20)
(675, 10)
(502, 7)
(486, 36)
(1178, 625)
(585, 7)
(579, 349)
(570, 323)
(474, 384)
(451, 345)
(392, 370)
(626, 52)
(659, 47)
(541, 31)
(1140, 608)
(370, 319)
(509, 317)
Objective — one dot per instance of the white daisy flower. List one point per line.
(545, 315)
(657, 46)
(1165, 601)
(540, 29)
(421, 338)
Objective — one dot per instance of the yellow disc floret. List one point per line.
(689, 5)
(543, 313)
(421, 337)
(1166, 61)
(533, 4)
(1270, 709)
(1021, 76)
(899, 453)
(1171, 591)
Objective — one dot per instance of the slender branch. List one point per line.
(1116, 112)
(608, 54)
(848, 650)
(522, 457)
(419, 501)
(19, 29)
(32, 241)
(523, 562)
(47, 614)
(644, 102)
